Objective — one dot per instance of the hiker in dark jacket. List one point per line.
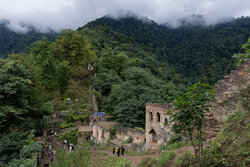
(123, 150)
(113, 150)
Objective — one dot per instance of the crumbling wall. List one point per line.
(157, 134)
(228, 90)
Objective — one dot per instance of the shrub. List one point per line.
(173, 146)
(67, 125)
(128, 140)
(78, 158)
(148, 162)
(165, 158)
(69, 117)
(70, 136)
(115, 162)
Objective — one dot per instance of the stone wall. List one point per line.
(100, 135)
(157, 134)
(137, 135)
(228, 90)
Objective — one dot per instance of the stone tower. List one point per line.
(157, 134)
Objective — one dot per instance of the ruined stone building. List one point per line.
(84, 134)
(102, 131)
(157, 134)
(138, 135)
(99, 118)
(228, 91)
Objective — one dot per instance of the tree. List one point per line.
(14, 93)
(63, 74)
(188, 114)
(241, 57)
(127, 99)
(43, 57)
(74, 47)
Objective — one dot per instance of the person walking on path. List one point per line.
(123, 150)
(118, 151)
(55, 134)
(113, 150)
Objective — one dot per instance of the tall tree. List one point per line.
(74, 47)
(188, 114)
(43, 57)
(63, 74)
(14, 93)
(127, 99)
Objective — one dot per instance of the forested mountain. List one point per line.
(198, 52)
(16, 42)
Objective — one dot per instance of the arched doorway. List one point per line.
(153, 136)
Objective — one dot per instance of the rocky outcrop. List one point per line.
(228, 90)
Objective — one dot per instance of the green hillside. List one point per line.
(197, 52)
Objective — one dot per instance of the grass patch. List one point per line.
(173, 146)
(67, 125)
(113, 161)
(161, 162)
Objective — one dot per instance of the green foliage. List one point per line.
(188, 114)
(184, 48)
(69, 117)
(230, 147)
(29, 150)
(48, 108)
(43, 57)
(71, 136)
(47, 122)
(11, 145)
(241, 57)
(115, 162)
(165, 158)
(161, 162)
(74, 47)
(14, 93)
(17, 42)
(186, 160)
(127, 100)
(67, 125)
(128, 140)
(78, 158)
(173, 146)
(63, 74)
(148, 162)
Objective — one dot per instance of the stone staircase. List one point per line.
(212, 127)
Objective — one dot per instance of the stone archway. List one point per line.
(153, 136)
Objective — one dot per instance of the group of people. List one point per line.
(117, 150)
(69, 147)
(49, 149)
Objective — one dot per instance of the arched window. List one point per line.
(158, 117)
(166, 121)
(151, 116)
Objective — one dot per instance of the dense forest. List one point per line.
(16, 42)
(196, 51)
(135, 62)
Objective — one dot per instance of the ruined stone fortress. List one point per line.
(156, 134)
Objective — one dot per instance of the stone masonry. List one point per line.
(157, 134)
(228, 91)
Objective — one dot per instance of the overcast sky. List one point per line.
(61, 14)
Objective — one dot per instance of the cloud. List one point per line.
(62, 14)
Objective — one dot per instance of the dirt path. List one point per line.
(134, 160)
(56, 145)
